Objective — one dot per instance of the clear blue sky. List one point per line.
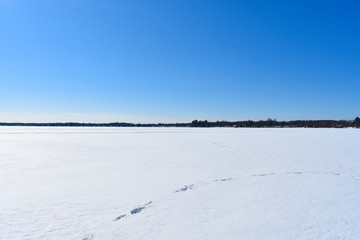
(179, 60)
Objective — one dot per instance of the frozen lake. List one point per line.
(179, 183)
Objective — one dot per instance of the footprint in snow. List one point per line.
(263, 174)
(223, 180)
(185, 188)
(139, 209)
(134, 211)
(89, 237)
(119, 217)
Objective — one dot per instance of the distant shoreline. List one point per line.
(269, 123)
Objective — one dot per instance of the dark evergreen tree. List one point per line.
(357, 122)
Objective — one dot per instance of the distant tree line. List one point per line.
(115, 124)
(269, 123)
(272, 123)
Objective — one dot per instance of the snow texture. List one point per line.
(179, 183)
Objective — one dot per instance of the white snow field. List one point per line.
(179, 183)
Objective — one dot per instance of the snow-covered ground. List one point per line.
(179, 183)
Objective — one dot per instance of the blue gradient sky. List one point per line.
(146, 61)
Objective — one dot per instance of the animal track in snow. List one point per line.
(297, 173)
(226, 147)
(188, 187)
